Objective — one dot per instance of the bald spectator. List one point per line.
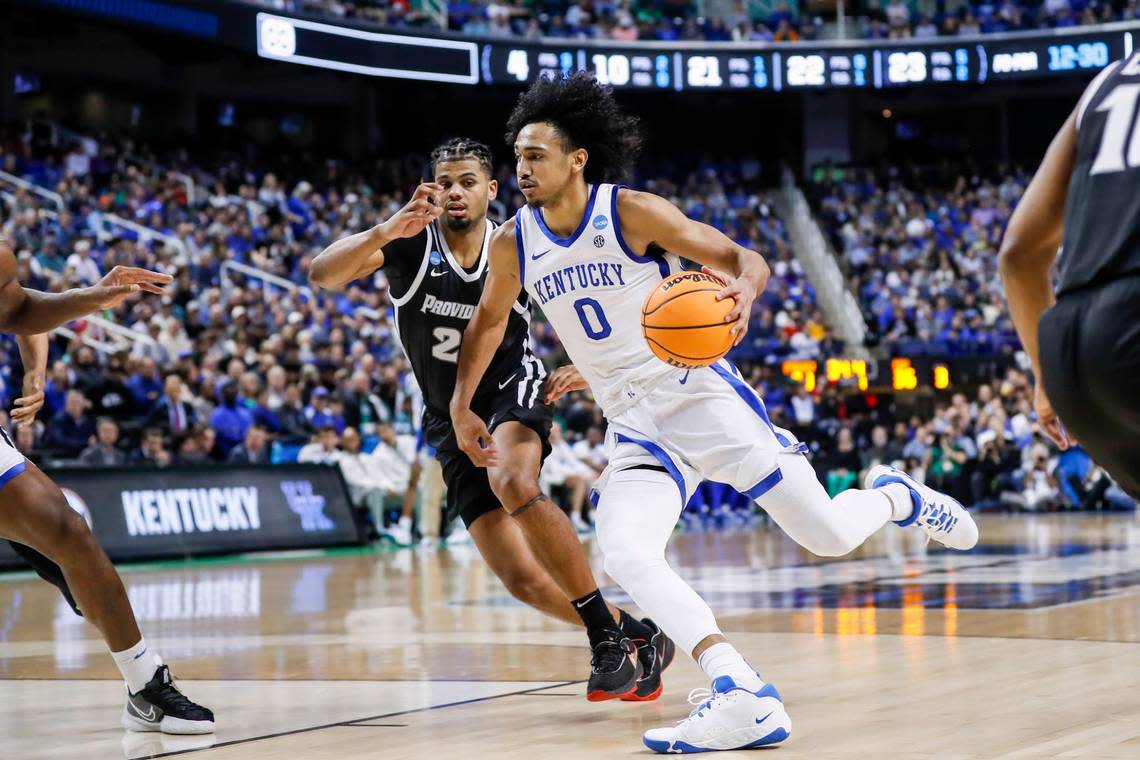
(254, 449)
(172, 413)
(104, 452)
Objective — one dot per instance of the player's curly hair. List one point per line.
(587, 116)
(463, 148)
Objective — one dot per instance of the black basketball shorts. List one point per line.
(1090, 365)
(469, 494)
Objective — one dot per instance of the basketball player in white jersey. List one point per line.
(589, 253)
(434, 253)
(54, 538)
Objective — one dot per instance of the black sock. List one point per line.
(636, 630)
(594, 613)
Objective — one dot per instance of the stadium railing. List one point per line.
(53, 197)
(820, 265)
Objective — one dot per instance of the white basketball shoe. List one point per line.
(727, 717)
(943, 518)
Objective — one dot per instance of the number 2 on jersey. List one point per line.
(593, 319)
(446, 347)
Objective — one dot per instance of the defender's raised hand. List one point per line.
(418, 213)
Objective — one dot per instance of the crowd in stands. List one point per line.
(920, 249)
(670, 20)
(227, 368)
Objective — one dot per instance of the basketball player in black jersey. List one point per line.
(434, 253)
(55, 539)
(1084, 342)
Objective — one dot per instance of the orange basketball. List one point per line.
(684, 323)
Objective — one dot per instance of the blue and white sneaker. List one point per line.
(727, 717)
(943, 518)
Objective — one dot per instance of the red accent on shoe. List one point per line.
(647, 698)
(605, 696)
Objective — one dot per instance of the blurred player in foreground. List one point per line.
(54, 538)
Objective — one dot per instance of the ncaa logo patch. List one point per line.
(601, 222)
(435, 259)
(599, 241)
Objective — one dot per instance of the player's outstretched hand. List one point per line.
(741, 291)
(564, 380)
(122, 282)
(474, 438)
(418, 212)
(1049, 421)
(25, 408)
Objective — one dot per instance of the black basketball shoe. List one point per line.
(160, 706)
(654, 656)
(614, 669)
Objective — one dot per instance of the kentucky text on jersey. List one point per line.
(433, 305)
(594, 275)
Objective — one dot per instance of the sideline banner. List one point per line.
(188, 511)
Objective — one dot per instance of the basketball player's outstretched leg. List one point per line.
(63, 551)
(635, 518)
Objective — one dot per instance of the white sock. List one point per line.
(405, 522)
(902, 505)
(137, 665)
(723, 660)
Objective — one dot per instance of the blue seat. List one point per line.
(284, 453)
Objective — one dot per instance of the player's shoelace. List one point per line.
(939, 518)
(608, 656)
(704, 699)
(170, 699)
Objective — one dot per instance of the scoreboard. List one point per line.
(677, 66)
(779, 68)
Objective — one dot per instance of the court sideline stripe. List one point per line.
(355, 721)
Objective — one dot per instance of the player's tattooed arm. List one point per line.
(29, 312)
(1028, 249)
(648, 218)
(483, 336)
(359, 255)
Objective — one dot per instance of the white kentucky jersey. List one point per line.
(591, 287)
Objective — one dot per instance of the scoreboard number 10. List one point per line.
(611, 69)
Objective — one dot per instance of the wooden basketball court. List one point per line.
(1027, 647)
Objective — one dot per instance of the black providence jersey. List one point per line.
(434, 298)
(1102, 211)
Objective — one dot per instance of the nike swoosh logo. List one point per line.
(761, 720)
(150, 715)
(507, 382)
(583, 603)
(538, 256)
(437, 273)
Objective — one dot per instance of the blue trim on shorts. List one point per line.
(663, 457)
(750, 397)
(12, 472)
(567, 242)
(595, 497)
(765, 485)
(660, 261)
(519, 246)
